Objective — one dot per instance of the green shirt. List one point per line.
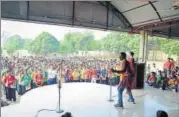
(159, 78)
(26, 80)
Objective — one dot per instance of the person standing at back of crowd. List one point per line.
(86, 74)
(98, 73)
(10, 83)
(132, 66)
(45, 76)
(167, 66)
(103, 75)
(3, 74)
(51, 76)
(94, 76)
(21, 88)
(172, 64)
(82, 79)
(26, 81)
(34, 74)
(75, 74)
(70, 74)
(39, 79)
(125, 77)
(67, 76)
(154, 69)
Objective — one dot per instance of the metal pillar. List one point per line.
(143, 46)
(146, 47)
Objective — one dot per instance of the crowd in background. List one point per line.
(23, 74)
(166, 79)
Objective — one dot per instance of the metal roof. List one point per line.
(159, 17)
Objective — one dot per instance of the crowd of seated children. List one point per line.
(163, 80)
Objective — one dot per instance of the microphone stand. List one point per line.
(59, 110)
(110, 91)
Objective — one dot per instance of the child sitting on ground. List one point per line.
(151, 81)
(171, 82)
(159, 79)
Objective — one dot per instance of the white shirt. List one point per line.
(51, 74)
(154, 69)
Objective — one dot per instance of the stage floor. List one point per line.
(91, 100)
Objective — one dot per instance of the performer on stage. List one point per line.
(125, 80)
(132, 66)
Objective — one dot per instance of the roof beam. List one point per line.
(107, 17)
(28, 5)
(170, 31)
(116, 12)
(157, 25)
(138, 7)
(73, 14)
(155, 9)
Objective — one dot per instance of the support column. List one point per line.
(146, 47)
(143, 46)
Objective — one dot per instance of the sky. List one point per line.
(32, 30)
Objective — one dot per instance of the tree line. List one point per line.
(46, 43)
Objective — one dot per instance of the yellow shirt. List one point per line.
(122, 76)
(33, 75)
(75, 75)
(171, 82)
(83, 74)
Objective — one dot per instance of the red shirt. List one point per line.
(110, 73)
(9, 80)
(131, 63)
(70, 75)
(38, 79)
(88, 74)
(93, 72)
(167, 65)
(152, 78)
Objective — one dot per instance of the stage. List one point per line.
(91, 100)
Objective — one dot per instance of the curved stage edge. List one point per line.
(91, 100)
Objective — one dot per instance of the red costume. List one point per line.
(132, 67)
(9, 80)
(167, 65)
(39, 79)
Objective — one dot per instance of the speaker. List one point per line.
(140, 73)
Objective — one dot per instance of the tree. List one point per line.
(4, 36)
(168, 46)
(44, 43)
(86, 43)
(76, 41)
(13, 43)
(71, 42)
(119, 42)
(27, 43)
